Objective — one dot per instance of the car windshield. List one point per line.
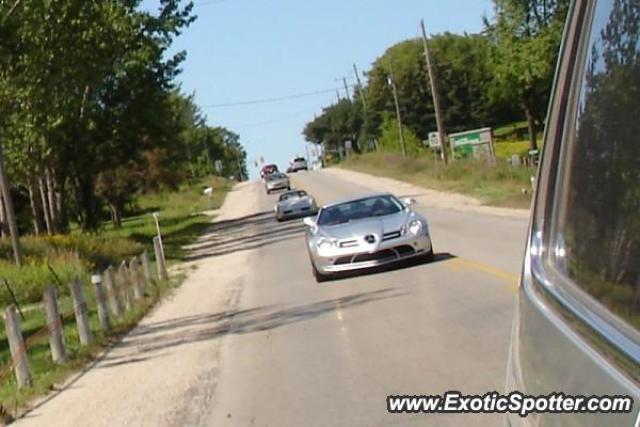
(275, 176)
(293, 195)
(360, 209)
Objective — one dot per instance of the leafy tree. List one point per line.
(390, 140)
(86, 88)
(526, 36)
(337, 124)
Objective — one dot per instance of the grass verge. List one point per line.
(499, 185)
(76, 256)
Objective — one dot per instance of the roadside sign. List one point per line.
(218, 166)
(472, 137)
(472, 143)
(434, 140)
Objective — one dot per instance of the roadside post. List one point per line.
(146, 267)
(17, 348)
(54, 324)
(160, 265)
(112, 292)
(136, 280)
(124, 285)
(103, 313)
(80, 310)
(156, 217)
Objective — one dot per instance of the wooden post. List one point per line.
(18, 350)
(124, 285)
(54, 323)
(136, 280)
(146, 268)
(80, 310)
(101, 301)
(111, 286)
(160, 262)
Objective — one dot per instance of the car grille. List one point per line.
(376, 256)
(383, 255)
(391, 235)
(348, 243)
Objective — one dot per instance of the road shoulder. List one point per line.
(170, 361)
(424, 196)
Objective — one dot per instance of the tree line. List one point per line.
(91, 114)
(499, 76)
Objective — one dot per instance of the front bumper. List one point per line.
(296, 212)
(388, 252)
(278, 186)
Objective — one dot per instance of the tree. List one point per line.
(86, 85)
(337, 124)
(526, 36)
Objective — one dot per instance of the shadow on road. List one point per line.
(159, 336)
(241, 234)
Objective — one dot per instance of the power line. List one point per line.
(208, 3)
(278, 119)
(268, 100)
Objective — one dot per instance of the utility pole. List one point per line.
(436, 96)
(240, 174)
(362, 95)
(392, 82)
(363, 98)
(10, 215)
(346, 88)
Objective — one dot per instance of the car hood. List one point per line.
(277, 181)
(360, 228)
(296, 201)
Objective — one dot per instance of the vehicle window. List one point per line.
(292, 194)
(360, 209)
(596, 229)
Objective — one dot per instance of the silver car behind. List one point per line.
(276, 181)
(293, 204)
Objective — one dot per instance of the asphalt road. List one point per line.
(250, 339)
(331, 353)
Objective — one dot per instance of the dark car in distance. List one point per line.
(268, 170)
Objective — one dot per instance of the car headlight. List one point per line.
(415, 227)
(325, 243)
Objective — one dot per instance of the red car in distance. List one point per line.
(268, 170)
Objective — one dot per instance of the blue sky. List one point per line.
(245, 50)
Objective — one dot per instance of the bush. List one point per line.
(97, 251)
(390, 139)
(29, 281)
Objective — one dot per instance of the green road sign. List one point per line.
(463, 143)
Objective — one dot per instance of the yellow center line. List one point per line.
(464, 263)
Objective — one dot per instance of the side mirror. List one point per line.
(309, 222)
(408, 201)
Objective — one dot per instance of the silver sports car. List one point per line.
(366, 232)
(295, 203)
(276, 181)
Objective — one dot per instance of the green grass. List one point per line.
(79, 254)
(498, 185)
(181, 217)
(44, 371)
(505, 149)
